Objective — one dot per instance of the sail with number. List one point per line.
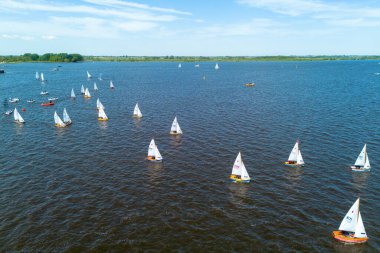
(239, 172)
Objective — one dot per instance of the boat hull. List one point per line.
(136, 116)
(360, 169)
(174, 133)
(338, 235)
(294, 165)
(47, 104)
(102, 119)
(60, 126)
(235, 179)
(153, 159)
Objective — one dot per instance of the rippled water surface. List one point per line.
(88, 187)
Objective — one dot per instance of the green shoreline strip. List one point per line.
(65, 57)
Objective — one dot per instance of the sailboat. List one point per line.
(179, 66)
(136, 112)
(87, 93)
(295, 158)
(42, 77)
(37, 76)
(99, 104)
(102, 115)
(175, 129)
(351, 230)
(111, 85)
(17, 117)
(153, 153)
(72, 94)
(362, 162)
(239, 173)
(58, 121)
(89, 76)
(216, 66)
(66, 118)
(95, 87)
(82, 89)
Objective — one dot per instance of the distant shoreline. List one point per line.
(80, 58)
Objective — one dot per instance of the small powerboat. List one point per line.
(13, 100)
(44, 92)
(8, 112)
(52, 98)
(50, 103)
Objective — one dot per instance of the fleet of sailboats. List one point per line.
(136, 112)
(175, 129)
(239, 173)
(362, 162)
(351, 229)
(17, 117)
(154, 154)
(295, 158)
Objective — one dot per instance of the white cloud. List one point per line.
(136, 26)
(17, 36)
(118, 3)
(48, 37)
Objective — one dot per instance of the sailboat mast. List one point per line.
(357, 218)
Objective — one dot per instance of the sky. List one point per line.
(190, 27)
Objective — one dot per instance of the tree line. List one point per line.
(49, 57)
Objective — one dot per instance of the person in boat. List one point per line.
(291, 162)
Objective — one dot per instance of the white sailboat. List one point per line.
(153, 153)
(216, 66)
(42, 77)
(95, 87)
(37, 76)
(72, 93)
(102, 115)
(295, 158)
(362, 162)
(111, 85)
(66, 118)
(89, 76)
(82, 89)
(136, 112)
(239, 173)
(351, 229)
(17, 117)
(58, 121)
(87, 93)
(99, 104)
(175, 129)
(179, 66)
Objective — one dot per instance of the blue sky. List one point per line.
(190, 27)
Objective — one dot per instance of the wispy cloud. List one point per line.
(48, 37)
(332, 13)
(17, 36)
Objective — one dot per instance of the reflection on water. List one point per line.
(175, 140)
(102, 125)
(360, 180)
(340, 247)
(137, 122)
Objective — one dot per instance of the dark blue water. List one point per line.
(88, 187)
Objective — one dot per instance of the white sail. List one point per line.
(179, 66)
(37, 76)
(95, 86)
(72, 93)
(102, 114)
(216, 66)
(89, 75)
(57, 120)
(17, 116)
(244, 172)
(158, 154)
(236, 168)
(82, 89)
(42, 77)
(152, 148)
(362, 159)
(366, 164)
(111, 85)
(349, 221)
(87, 93)
(359, 229)
(175, 127)
(99, 104)
(299, 158)
(66, 117)
(294, 153)
(137, 112)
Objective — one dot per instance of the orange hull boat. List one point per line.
(338, 235)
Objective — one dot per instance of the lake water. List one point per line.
(89, 187)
